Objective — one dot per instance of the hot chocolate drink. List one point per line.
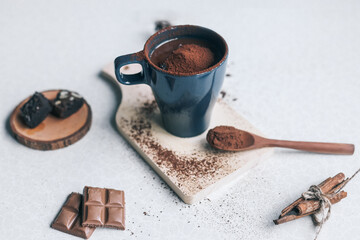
(185, 68)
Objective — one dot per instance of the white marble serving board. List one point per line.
(188, 165)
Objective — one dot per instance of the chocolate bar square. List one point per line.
(66, 103)
(35, 110)
(69, 218)
(104, 208)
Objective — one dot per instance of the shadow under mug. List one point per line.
(185, 100)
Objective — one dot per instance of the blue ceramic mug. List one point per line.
(185, 100)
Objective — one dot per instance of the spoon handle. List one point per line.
(328, 148)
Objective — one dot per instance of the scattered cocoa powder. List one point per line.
(161, 24)
(183, 167)
(223, 94)
(228, 138)
(149, 107)
(189, 58)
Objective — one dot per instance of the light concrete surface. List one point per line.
(295, 71)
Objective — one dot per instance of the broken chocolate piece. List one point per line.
(66, 103)
(69, 218)
(161, 24)
(35, 110)
(104, 208)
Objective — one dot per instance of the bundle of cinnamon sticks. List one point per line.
(301, 207)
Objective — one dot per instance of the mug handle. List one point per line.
(138, 78)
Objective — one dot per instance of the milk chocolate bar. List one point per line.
(35, 110)
(66, 103)
(104, 208)
(69, 218)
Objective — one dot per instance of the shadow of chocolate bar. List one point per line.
(69, 218)
(104, 208)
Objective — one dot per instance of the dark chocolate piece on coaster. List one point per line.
(69, 218)
(104, 208)
(35, 110)
(67, 103)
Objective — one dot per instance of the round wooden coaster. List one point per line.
(53, 132)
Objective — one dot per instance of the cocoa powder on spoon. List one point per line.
(227, 138)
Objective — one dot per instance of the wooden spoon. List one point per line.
(232, 139)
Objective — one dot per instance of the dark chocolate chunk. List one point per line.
(104, 208)
(69, 218)
(35, 110)
(66, 103)
(161, 24)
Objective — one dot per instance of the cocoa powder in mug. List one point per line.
(189, 58)
(185, 55)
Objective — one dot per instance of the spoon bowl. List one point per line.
(230, 139)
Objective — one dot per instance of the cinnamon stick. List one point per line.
(302, 207)
(338, 178)
(325, 187)
(320, 198)
(337, 187)
(313, 205)
(289, 218)
(300, 199)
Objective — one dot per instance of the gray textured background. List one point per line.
(295, 70)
